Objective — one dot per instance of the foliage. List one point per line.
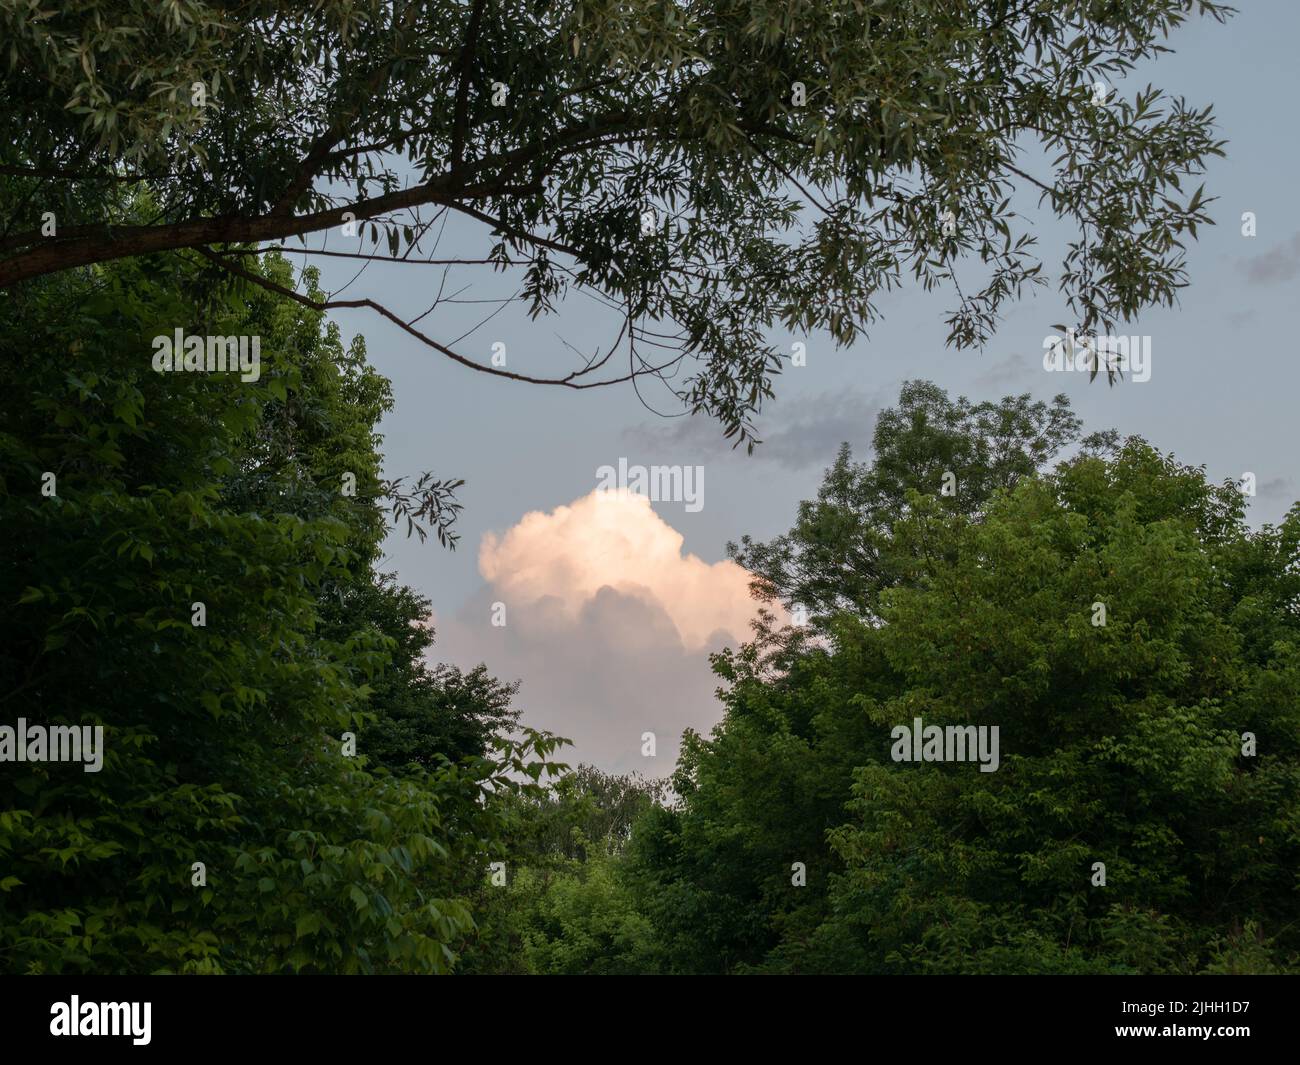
(841, 552)
(566, 906)
(708, 168)
(1121, 743)
(224, 740)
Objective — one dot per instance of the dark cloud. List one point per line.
(1008, 371)
(798, 432)
(1281, 263)
(1277, 488)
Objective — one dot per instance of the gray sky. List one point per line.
(602, 665)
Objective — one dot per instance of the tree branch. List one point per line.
(461, 120)
(570, 381)
(86, 245)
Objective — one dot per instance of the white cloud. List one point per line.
(608, 624)
(615, 540)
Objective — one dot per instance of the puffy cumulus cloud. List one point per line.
(614, 539)
(608, 625)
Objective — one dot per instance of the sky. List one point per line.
(606, 606)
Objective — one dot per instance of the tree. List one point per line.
(172, 540)
(566, 905)
(429, 715)
(763, 791)
(1130, 742)
(708, 169)
(1133, 736)
(840, 554)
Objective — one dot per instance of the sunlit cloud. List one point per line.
(609, 624)
(615, 540)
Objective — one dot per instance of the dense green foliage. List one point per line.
(429, 714)
(224, 741)
(566, 908)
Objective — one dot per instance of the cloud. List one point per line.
(1007, 371)
(1276, 488)
(1281, 263)
(615, 540)
(608, 624)
(798, 432)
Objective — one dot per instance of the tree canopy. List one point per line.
(183, 570)
(709, 170)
